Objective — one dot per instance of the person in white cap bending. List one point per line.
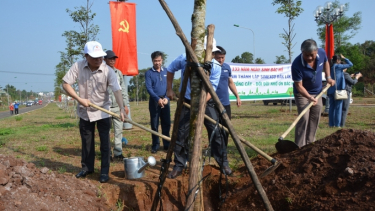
(94, 77)
(181, 149)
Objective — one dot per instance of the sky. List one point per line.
(30, 32)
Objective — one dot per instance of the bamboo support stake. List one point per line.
(209, 88)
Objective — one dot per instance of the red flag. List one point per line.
(124, 37)
(330, 44)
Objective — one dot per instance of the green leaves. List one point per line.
(281, 60)
(344, 28)
(290, 8)
(246, 57)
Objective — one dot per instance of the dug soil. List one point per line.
(335, 173)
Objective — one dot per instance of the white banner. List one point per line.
(262, 81)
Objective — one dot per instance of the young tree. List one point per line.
(88, 31)
(246, 57)
(195, 201)
(75, 41)
(291, 9)
(344, 28)
(281, 60)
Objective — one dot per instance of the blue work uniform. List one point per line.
(223, 94)
(312, 81)
(181, 148)
(156, 85)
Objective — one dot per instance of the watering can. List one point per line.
(135, 166)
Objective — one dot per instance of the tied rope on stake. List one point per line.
(206, 66)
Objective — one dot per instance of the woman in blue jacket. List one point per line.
(335, 109)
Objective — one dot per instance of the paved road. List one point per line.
(22, 110)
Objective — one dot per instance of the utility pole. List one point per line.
(8, 94)
(137, 89)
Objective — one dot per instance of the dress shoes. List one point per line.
(226, 170)
(83, 173)
(154, 151)
(175, 173)
(103, 178)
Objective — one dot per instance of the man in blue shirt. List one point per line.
(220, 149)
(16, 107)
(159, 106)
(307, 76)
(181, 148)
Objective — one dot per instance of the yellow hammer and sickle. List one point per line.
(125, 27)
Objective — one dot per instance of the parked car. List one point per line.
(40, 102)
(29, 104)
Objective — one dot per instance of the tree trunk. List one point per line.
(195, 202)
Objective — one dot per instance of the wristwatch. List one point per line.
(329, 77)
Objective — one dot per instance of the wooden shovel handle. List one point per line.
(303, 113)
(130, 121)
(269, 158)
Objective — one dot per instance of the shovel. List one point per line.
(286, 146)
(130, 121)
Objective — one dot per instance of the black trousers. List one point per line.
(181, 150)
(219, 139)
(223, 132)
(16, 111)
(164, 114)
(87, 131)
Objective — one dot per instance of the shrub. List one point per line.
(357, 89)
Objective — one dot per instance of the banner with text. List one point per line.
(262, 81)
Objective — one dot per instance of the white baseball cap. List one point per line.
(214, 48)
(94, 49)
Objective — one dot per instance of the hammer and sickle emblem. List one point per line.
(125, 28)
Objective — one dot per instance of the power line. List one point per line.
(28, 82)
(28, 73)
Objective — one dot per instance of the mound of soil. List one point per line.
(335, 173)
(25, 187)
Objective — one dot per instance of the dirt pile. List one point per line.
(335, 173)
(25, 187)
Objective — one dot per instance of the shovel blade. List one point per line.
(285, 146)
(270, 170)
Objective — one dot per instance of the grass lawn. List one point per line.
(49, 137)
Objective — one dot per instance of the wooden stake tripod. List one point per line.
(209, 88)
